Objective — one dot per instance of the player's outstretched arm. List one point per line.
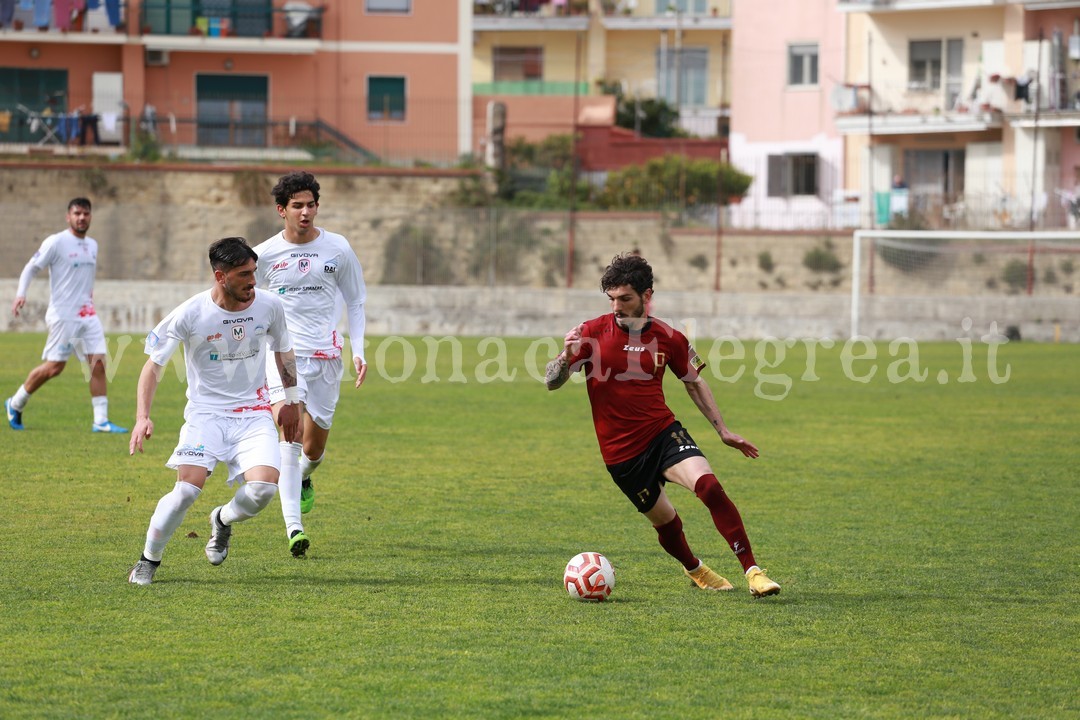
(144, 426)
(703, 397)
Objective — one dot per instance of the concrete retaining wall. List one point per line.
(134, 307)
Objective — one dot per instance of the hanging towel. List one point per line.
(62, 14)
(42, 11)
(108, 121)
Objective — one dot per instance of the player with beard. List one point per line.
(74, 327)
(624, 355)
(227, 332)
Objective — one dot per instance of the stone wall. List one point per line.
(432, 268)
(134, 307)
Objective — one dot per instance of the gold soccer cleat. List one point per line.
(706, 579)
(760, 584)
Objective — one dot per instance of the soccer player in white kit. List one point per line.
(74, 327)
(313, 272)
(227, 333)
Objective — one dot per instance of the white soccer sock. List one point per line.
(101, 408)
(168, 515)
(19, 399)
(307, 465)
(751, 569)
(290, 487)
(250, 498)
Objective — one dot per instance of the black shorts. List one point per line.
(641, 478)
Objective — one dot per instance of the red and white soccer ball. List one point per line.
(589, 576)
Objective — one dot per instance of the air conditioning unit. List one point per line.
(157, 58)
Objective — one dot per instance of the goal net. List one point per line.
(946, 276)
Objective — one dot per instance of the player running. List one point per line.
(74, 327)
(227, 332)
(312, 271)
(624, 355)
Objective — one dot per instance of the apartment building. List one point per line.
(542, 59)
(971, 104)
(385, 80)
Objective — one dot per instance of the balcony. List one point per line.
(530, 88)
(873, 6)
(223, 19)
(528, 16)
(670, 15)
(103, 24)
(912, 109)
(574, 15)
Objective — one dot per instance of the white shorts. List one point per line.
(82, 336)
(319, 382)
(242, 442)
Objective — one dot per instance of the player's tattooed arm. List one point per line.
(557, 372)
(286, 363)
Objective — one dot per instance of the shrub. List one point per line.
(822, 259)
(765, 261)
(1015, 275)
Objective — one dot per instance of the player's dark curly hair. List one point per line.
(230, 252)
(293, 183)
(627, 269)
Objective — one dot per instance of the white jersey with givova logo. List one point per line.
(224, 351)
(308, 279)
(72, 262)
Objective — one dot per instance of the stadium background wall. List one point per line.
(433, 268)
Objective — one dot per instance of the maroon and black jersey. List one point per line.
(625, 377)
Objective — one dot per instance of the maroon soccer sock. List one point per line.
(726, 518)
(673, 541)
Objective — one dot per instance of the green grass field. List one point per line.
(925, 535)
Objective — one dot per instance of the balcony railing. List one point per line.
(231, 18)
(621, 8)
(530, 87)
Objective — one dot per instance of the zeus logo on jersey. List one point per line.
(634, 348)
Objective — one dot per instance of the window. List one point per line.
(793, 174)
(518, 63)
(924, 65)
(36, 90)
(389, 6)
(693, 7)
(692, 67)
(803, 64)
(231, 110)
(386, 98)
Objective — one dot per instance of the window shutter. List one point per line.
(778, 176)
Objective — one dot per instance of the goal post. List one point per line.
(893, 271)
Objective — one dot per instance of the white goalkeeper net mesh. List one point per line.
(971, 264)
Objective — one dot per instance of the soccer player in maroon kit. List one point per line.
(624, 355)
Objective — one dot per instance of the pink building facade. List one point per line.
(788, 59)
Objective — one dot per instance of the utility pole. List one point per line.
(573, 166)
(1034, 168)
